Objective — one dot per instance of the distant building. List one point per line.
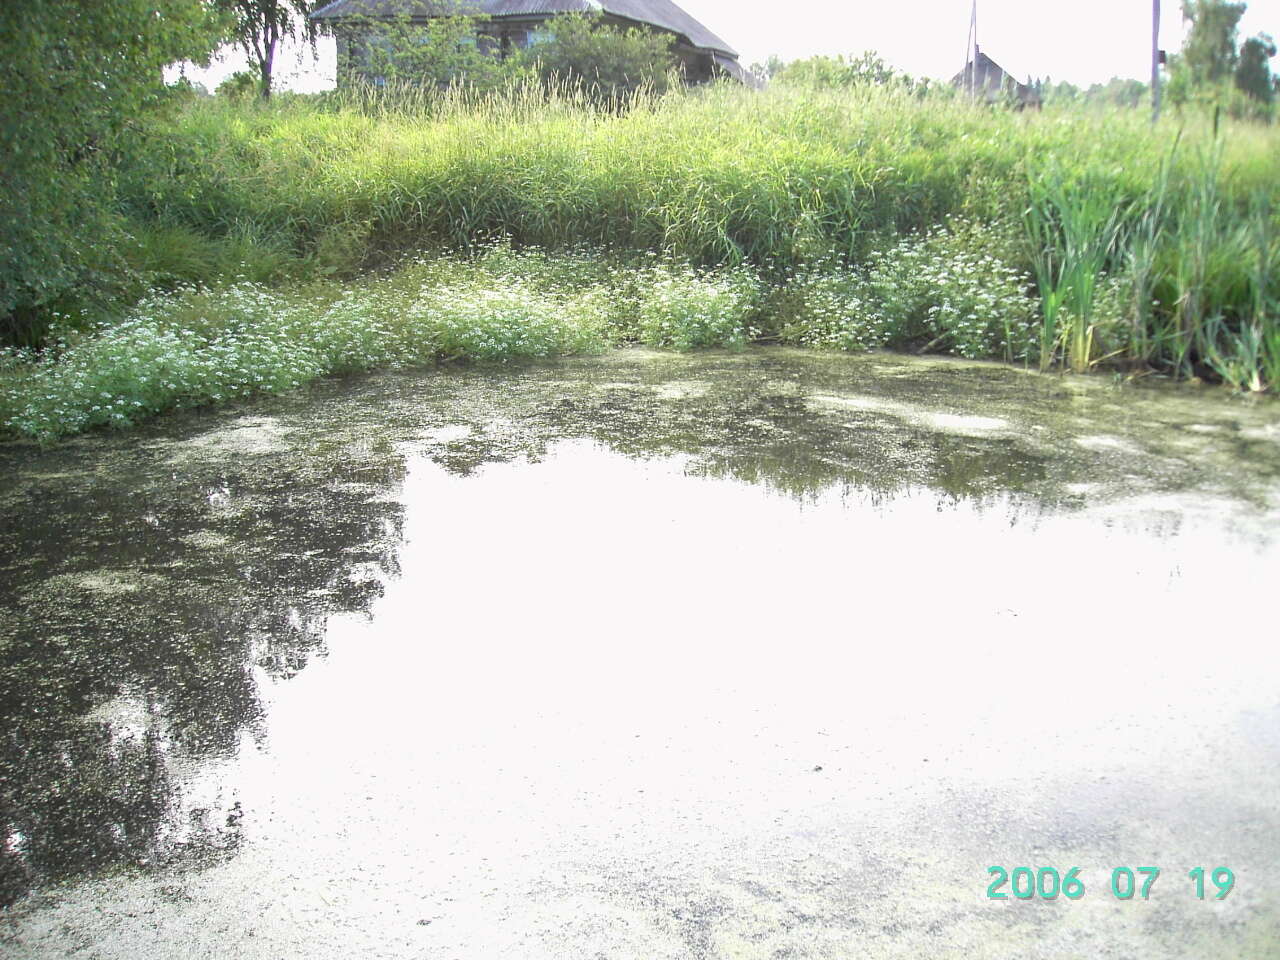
(518, 24)
(983, 78)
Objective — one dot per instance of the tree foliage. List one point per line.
(261, 25)
(841, 72)
(764, 72)
(441, 51)
(1253, 73)
(1209, 52)
(1212, 71)
(76, 76)
(608, 62)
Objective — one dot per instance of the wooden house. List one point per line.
(518, 24)
(983, 78)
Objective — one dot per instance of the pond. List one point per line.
(647, 655)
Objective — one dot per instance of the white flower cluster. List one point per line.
(501, 322)
(194, 347)
(683, 308)
(167, 354)
(837, 309)
(932, 291)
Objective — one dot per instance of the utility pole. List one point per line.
(1155, 62)
(971, 53)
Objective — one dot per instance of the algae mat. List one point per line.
(764, 654)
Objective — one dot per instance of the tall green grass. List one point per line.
(851, 219)
(1073, 226)
(1150, 224)
(713, 176)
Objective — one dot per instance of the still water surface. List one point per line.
(753, 655)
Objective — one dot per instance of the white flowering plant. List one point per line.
(942, 290)
(683, 308)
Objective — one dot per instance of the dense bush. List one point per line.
(77, 77)
(948, 289)
(608, 62)
(840, 72)
(444, 51)
(605, 62)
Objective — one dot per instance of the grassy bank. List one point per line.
(344, 231)
(713, 176)
(198, 346)
(1154, 248)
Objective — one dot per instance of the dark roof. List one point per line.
(659, 13)
(733, 68)
(989, 77)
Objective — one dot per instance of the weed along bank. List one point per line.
(1001, 240)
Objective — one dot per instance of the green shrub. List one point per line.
(241, 85)
(942, 290)
(609, 63)
(78, 79)
(444, 51)
(684, 309)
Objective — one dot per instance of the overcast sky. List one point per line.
(1084, 41)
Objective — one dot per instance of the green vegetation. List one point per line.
(856, 218)
(1214, 71)
(952, 289)
(579, 52)
(231, 244)
(607, 62)
(77, 77)
(441, 52)
(196, 346)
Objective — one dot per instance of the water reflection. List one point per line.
(157, 586)
(143, 612)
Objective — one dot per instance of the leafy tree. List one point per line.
(1061, 91)
(608, 62)
(823, 71)
(1209, 53)
(766, 71)
(1118, 92)
(1253, 73)
(260, 26)
(441, 51)
(867, 69)
(77, 75)
(238, 86)
(1211, 72)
